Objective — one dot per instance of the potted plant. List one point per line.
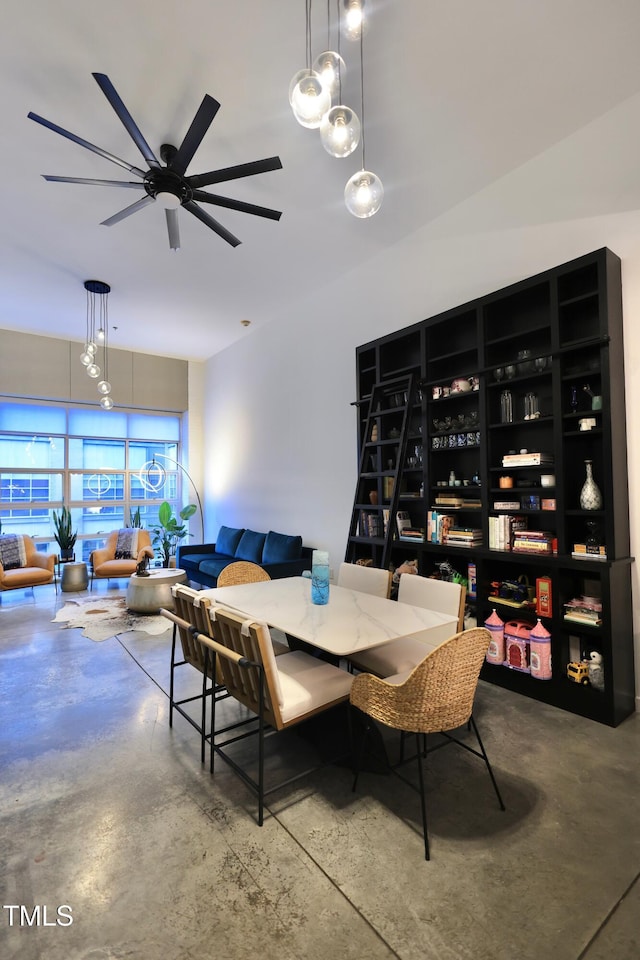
(169, 532)
(65, 537)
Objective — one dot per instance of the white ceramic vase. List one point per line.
(590, 496)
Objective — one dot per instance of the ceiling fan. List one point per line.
(167, 182)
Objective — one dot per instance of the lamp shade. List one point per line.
(353, 21)
(310, 101)
(330, 67)
(363, 194)
(340, 131)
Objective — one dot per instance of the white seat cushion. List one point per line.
(307, 683)
(392, 658)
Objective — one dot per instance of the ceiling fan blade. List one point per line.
(236, 205)
(193, 137)
(174, 230)
(125, 117)
(86, 144)
(95, 183)
(138, 205)
(234, 173)
(210, 222)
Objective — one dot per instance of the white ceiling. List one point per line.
(458, 93)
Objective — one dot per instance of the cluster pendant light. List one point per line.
(315, 95)
(97, 312)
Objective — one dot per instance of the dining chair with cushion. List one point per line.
(435, 697)
(407, 652)
(279, 692)
(371, 580)
(121, 554)
(192, 616)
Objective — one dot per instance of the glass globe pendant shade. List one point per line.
(106, 403)
(330, 67)
(104, 387)
(310, 101)
(340, 131)
(363, 194)
(86, 358)
(353, 22)
(100, 335)
(93, 371)
(91, 348)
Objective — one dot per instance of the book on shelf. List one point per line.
(438, 525)
(471, 503)
(533, 459)
(590, 551)
(506, 505)
(578, 618)
(463, 537)
(502, 528)
(533, 541)
(412, 533)
(448, 500)
(403, 520)
(370, 524)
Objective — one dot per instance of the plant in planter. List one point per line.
(169, 532)
(135, 520)
(65, 537)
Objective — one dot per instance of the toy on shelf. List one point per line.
(516, 641)
(578, 671)
(495, 652)
(596, 670)
(540, 652)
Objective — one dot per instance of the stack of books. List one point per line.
(438, 525)
(533, 459)
(533, 541)
(502, 529)
(584, 551)
(463, 537)
(586, 610)
(370, 524)
(412, 533)
(448, 500)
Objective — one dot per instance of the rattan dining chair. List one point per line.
(407, 652)
(244, 571)
(435, 697)
(241, 571)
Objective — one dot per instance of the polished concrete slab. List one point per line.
(105, 810)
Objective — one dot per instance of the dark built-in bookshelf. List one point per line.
(553, 342)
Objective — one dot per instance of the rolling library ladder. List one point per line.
(383, 453)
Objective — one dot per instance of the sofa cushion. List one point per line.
(250, 546)
(279, 547)
(228, 540)
(193, 560)
(214, 565)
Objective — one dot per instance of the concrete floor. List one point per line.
(105, 809)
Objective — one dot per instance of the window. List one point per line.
(103, 466)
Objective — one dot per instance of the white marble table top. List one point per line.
(350, 622)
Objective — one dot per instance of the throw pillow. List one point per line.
(250, 546)
(12, 551)
(228, 540)
(127, 544)
(279, 548)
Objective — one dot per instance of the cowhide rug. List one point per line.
(104, 617)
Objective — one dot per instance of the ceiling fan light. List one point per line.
(93, 370)
(310, 101)
(168, 200)
(104, 387)
(330, 67)
(340, 131)
(363, 194)
(106, 403)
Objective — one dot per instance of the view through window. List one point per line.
(93, 462)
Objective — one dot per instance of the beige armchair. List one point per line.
(37, 567)
(104, 563)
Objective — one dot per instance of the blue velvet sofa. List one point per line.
(279, 554)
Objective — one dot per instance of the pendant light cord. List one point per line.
(362, 97)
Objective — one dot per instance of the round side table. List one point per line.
(74, 577)
(148, 594)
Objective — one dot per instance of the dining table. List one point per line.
(350, 622)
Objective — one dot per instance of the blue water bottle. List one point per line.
(320, 577)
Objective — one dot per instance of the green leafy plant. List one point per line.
(169, 532)
(64, 534)
(135, 520)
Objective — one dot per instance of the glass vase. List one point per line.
(320, 577)
(590, 496)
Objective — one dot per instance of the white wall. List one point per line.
(281, 434)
